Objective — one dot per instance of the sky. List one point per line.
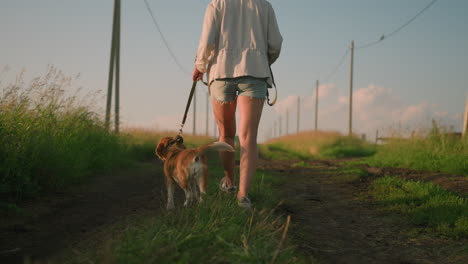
(400, 84)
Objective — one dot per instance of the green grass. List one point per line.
(433, 153)
(279, 151)
(50, 138)
(426, 205)
(215, 231)
(347, 147)
(308, 144)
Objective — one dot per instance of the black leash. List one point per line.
(276, 90)
(192, 91)
(187, 107)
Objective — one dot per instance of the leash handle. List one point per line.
(276, 90)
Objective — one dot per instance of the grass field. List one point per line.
(51, 137)
(435, 152)
(426, 205)
(321, 144)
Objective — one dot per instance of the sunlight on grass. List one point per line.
(319, 144)
(426, 204)
(433, 152)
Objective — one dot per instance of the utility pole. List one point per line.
(287, 121)
(207, 110)
(465, 121)
(351, 90)
(114, 66)
(117, 75)
(194, 111)
(316, 104)
(298, 113)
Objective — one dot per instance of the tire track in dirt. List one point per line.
(334, 221)
(53, 223)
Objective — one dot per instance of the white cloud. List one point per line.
(325, 91)
(374, 108)
(283, 105)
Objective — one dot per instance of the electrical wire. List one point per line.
(384, 37)
(334, 71)
(164, 40)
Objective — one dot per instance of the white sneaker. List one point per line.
(244, 202)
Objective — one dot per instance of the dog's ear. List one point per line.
(161, 149)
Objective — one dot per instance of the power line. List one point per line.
(164, 39)
(333, 72)
(383, 37)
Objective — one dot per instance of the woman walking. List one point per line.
(240, 40)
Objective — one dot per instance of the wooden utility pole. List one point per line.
(298, 113)
(351, 90)
(465, 121)
(316, 104)
(194, 132)
(207, 111)
(114, 65)
(117, 75)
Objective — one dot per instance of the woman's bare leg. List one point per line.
(225, 115)
(250, 110)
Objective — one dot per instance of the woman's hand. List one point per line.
(197, 75)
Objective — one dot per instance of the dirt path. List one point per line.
(334, 223)
(60, 220)
(332, 219)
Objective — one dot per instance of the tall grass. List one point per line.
(436, 151)
(50, 136)
(320, 144)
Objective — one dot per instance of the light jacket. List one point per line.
(239, 38)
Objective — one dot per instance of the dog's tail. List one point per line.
(215, 146)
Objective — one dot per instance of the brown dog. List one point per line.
(187, 167)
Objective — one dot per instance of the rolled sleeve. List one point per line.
(208, 39)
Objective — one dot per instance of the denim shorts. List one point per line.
(227, 89)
